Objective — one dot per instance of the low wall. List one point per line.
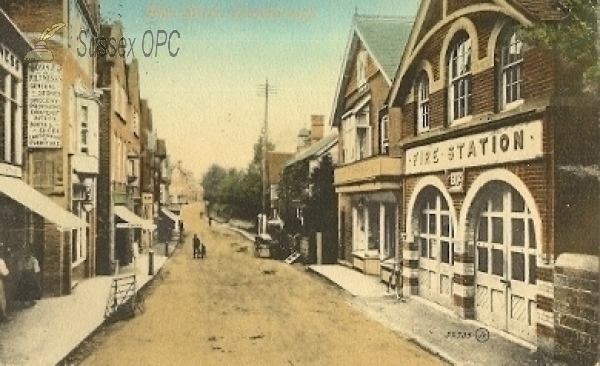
(576, 308)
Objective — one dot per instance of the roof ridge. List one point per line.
(383, 17)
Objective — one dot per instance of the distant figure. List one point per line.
(3, 273)
(209, 221)
(202, 250)
(180, 227)
(28, 287)
(197, 246)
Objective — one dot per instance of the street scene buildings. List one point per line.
(457, 170)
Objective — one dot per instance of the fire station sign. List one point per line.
(514, 143)
(44, 83)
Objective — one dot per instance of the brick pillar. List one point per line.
(464, 274)
(410, 267)
(576, 311)
(545, 306)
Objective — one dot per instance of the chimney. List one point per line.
(317, 123)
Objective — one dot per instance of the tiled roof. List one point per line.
(316, 149)
(275, 163)
(385, 38)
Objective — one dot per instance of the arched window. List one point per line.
(459, 78)
(511, 78)
(423, 103)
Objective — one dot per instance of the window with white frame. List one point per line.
(363, 135)
(384, 135)
(11, 107)
(511, 59)
(423, 103)
(436, 233)
(356, 136)
(459, 78)
(84, 129)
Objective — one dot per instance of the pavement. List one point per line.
(437, 329)
(49, 331)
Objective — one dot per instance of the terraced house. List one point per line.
(368, 176)
(60, 112)
(484, 131)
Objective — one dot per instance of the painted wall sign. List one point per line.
(44, 87)
(514, 143)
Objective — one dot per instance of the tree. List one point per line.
(322, 204)
(292, 192)
(211, 180)
(574, 39)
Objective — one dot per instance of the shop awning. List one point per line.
(170, 214)
(132, 221)
(39, 203)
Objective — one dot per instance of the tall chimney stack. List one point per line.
(317, 124)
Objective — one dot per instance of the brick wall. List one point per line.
(103, 191)
(576, 311)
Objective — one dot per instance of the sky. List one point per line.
(206, 100)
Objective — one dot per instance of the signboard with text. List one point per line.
(514, 143)
(44, 83)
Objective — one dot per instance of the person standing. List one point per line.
(28, 287)
(197, 245)
(3, 273)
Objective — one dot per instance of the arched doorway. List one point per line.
(506, 246)
(433, 232)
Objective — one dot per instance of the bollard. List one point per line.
(151, 262)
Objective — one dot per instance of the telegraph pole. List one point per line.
(265, 89)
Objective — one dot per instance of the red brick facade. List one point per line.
(535, 178)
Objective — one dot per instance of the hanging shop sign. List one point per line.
(515, 143)
(44, 83)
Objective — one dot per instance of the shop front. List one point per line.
(374, 218)
(129, 228)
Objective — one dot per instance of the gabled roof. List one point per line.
(275, 163)
(317, 149)
(384, 38)
(524, 11)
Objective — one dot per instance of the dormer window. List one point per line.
(459, 78)
(511, 61)
(361, 69)
(423, 103)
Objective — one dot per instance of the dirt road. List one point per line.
(233, 309)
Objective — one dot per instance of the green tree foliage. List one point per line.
(236, 193)
(211, 181)
(573, 39)
(292, 192)
(322, 204)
